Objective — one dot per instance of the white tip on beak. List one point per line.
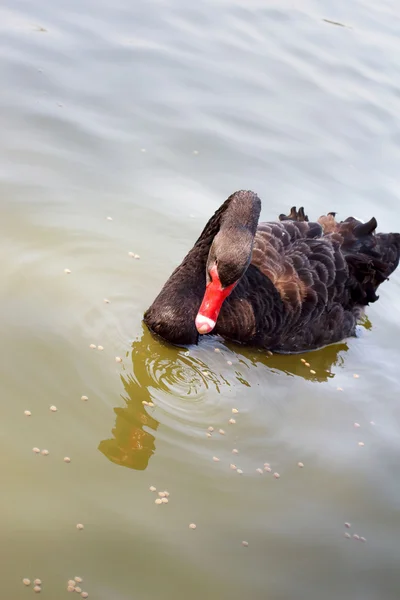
(204, 324)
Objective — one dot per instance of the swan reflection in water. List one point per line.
(157, 366)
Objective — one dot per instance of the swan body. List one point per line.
(289, 285)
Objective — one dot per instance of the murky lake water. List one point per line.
(152, 114)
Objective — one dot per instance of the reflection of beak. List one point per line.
(204, 324)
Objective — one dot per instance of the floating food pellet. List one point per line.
(118, 359)
(313, 372)
(210, 428)
(339, 389)
(166, 494)
(84, 398)
(356, 376)
(106, 301)
(357, 425)
(36, 450)
(131, 254)
(53, 408)
(136, 257)
(37, 582)
(361, 444)
(164, 500)
(100, 348)
(362, 539)
(67, 271)
(152, 488)
(347, 525)
(217, 350)
(235, 411)
(26, 581)
(44, 452)
(347, 535)
(267, 469)
(233, 467)
(245, 544)
(221, 431)
(215, 459)
(276, 475)
(71, 582)
(92, 346)
(356, 537)
(235, 451)
(109, 218)
(80, 526)
(260, 471)
(303, 360)
(37, 589)
(307, 364)
(158, 501)
(161, 494)
(267, 465)
(229, 362)
(67, 459)
(300, 464)
(71, 588)
(269, 353)
(206, 373)
(232, 422)
(78, 590)
(151, 404)
(27, 413)
(192, 526)
(209, 435)
(239, 471)
(85, 595)
(145, 403)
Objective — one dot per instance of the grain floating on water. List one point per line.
(26, 581)
(67, 459)
(78, 590)
(339, 389)
(92, 346)
(361, 444)
(158, 501)
(239, 471)
(27, 413)
(71, 588)
(300, 464)
(71, 582)
(356, 376)
(209, 435)
(306, 364)
(166, 494)
(152, 488)
(313, 372)
(84, 398)
(356, 536)
(37, 589)
(245, 544)
(38, 582)
(131, 254)
(118, 359)
(164, 500)
(100, 348)
(53, 408)
(161, 494)
(221, 431)
(44, 452)
(363, 539)
(347, 535)
(267, 469)
(303, 360)
(211, 428)
(67, 271)
(217, 350)
(109, 218)
(151, 404)
(106, 301)
(80, 526)
(347, 525)
(276, 475)
(36, 450)
(215, 459)
(357, 425)
(192, 526)
(235, 411)
(85, 595)
(267, 464)
(229, 362)
(232, 422)
(233, 467)
(260, 471)
(235, 451)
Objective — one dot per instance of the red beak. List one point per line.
(212, 302)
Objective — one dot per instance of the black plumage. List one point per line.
(300, 284)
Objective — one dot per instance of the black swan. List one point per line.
(288, 286)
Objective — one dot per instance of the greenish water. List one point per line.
(152, 114)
